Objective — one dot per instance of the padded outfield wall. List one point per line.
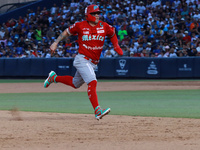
(160, 68)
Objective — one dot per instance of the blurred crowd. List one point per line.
(151, 28)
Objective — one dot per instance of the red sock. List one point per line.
(92, 94)
(68, 80)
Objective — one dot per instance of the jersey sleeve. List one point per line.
(73, 29)
(110, 30)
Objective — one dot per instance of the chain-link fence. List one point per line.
(5, 4)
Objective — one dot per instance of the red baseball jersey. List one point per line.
(91, 39)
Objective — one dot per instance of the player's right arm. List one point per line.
(62, 36)
(72, 30)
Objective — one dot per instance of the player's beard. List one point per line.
(97, 20)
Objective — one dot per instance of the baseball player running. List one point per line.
(91, 36)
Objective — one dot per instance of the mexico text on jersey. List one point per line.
(91, 39)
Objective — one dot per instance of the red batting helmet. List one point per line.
(91, 9)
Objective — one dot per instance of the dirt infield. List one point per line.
(54, 131)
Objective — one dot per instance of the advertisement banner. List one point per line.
(152, 67)
(185, 67)
(64, 66)
(122, 67)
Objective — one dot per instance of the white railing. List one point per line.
(4, 2)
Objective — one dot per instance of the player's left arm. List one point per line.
(117, 48)
(113, 38)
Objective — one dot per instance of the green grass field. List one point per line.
(166, 103)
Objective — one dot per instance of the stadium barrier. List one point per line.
(161, 68)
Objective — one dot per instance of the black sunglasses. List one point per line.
(94, 13)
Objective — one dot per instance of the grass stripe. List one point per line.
(166, 103)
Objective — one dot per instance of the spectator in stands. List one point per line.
(186, 38)
(176, 3)
(2, 32)
(161, 54)
(122, 32)
(185, 53)
(57, 31)
(126, 51)
(67, 55)
(121, 17)
(31, 13)
(6, 33)
(44, 12)
(157, 50)
(172, 53)
(74, 48)
(38, 34)
(31, 55)
(18, 50)
(54, 9)
(140, 48)
(132, 54)
(144, 53)
(194, 27)
(194, 40)
(154, 20)
(30, 34)
(192, 51)
(135, 26)
(108, 54)
(40, 21)
(39, 45)
(167, 51)
(185, 12)
(148, 47)
(140, 7)
(126, 40)
(111, 50)
(9, 42)
(198, 47)
(35, 52)
(196, 15)
(3, 53)
(10, 23)
(133, 48)
(48, 53)
(27, 43)
(60, 51)
(130, 31)
(181, 25)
